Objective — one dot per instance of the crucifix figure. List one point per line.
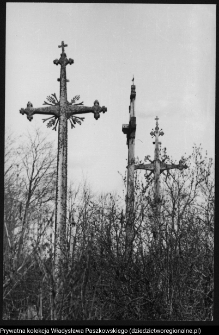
(129, 130)
(60, 112)
(157, 166)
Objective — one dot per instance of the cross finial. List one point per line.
(157, 127)
(156, 131)
(62, 46)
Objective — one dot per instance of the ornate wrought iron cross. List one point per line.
(61, 111)
(157, 166)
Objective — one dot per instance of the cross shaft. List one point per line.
(129, 130)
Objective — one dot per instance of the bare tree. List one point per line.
(30, 170)
(170, 274)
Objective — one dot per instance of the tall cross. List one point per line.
(157, 166)
(129, 130)
(61, 111)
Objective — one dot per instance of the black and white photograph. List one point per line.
(109, 162)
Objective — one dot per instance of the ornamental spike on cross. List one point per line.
(62, 46)
(157, 131)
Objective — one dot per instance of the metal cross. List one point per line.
(61, 111)
(157, 166)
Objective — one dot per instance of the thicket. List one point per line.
(170, 275)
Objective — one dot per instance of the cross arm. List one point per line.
(149, 167)
(129, 129)
(77, 109)
(180, 166)
(30, 111)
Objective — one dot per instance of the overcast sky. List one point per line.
(169, 48)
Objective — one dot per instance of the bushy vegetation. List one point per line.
(170, 275)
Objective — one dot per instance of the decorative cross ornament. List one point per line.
(129, 130)
(157, 166)
(71, 107)
(61, 111)
(62, 46)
